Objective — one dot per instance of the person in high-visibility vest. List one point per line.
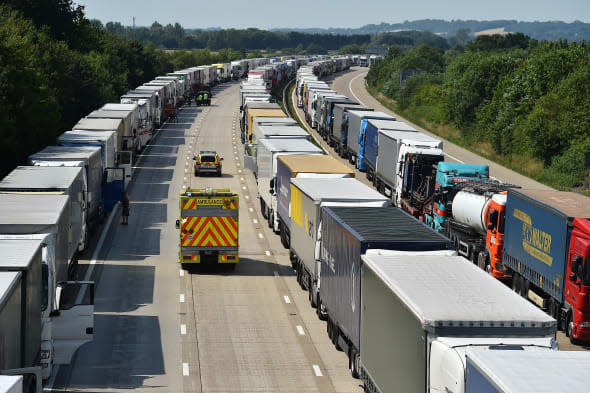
(199, 99)
(205, 97)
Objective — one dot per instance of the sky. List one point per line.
(266, 14)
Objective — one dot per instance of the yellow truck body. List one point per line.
(208, 224)
(252, 113)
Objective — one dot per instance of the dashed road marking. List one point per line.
(183, 329)
(317, 371)
(181, 273)
(267, 253)
(247, 197)
(287, 300)
(250, 209)
(241, 179)
(181, 297)
(260, 235)
(185, 369)
(300, 330)
(255, 221)
(244, 188)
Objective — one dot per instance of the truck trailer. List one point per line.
(547, 253)
(419, 314)
(304, 166)
(339, 128)
(355, 121)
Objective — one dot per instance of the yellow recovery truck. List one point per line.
(208, 227)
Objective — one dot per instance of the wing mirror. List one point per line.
(194, 158)
(221, 159)
(177, 224)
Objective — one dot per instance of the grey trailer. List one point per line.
(327, 114)
(116, 125)
(12, 313)
(279, 131)
(339, 129)
(70, 181)
(420, 313)
(24, 258)
(308, 196)
(129, 136)
(87, 157)
(355, 119)
(30, 214)
(105, 140)
(274, 121)
(153, 101)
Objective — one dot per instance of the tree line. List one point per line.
(519, 100)
(57, 66)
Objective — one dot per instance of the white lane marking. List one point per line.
(247, 197)
(260, 235)
(241, 179)
(239, 171)
(185, 178)
(250, 209)
(276, 273)
(244, 188)
(185, 369)
(300, 330)
(181, 297)
(317, 371)
(95, 254)
(238, 164)
(255, 221)
(181, 273)
(287, 300)
(183, 329)
(267, 253)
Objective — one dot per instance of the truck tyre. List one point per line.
(354, 363)
(263, 208)
(569, 330)
(269, 219)
(311, 289)
(524, 288)
(516, 282)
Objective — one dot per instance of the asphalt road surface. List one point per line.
(161, 329)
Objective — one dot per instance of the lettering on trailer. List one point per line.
(535, 242)
(209, 232)
(225, 203)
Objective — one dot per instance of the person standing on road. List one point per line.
(125, 210)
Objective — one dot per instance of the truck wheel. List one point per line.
(569, 330)
(311, 289)
(263, 208)
(516, 282)
(270, 218)
(354, 363)
(524, 288)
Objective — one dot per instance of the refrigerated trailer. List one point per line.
(419, 314)
(355, 120)
(339, 128)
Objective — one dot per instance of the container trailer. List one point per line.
(547, 252)
(326, 118)
(339, 128)
(129, 139)
(420, 314)
(355, 120)
(143, 122)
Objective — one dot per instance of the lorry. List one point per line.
(339, 128)
(304, 166)
(163, 100)
(363, 61)
(318, 98)
(308, 197)
(326, 116)
(81, 156)
(420, 314)
(70, 181)
(267, 153)
(151, 99)
(208, 225)
(355, 121)
(491, 370)
(252, 113)
(251, 106)
(170, 91)
(113, 180)
(52, 325)
(405, 168)
(123, 151)
(369, 142)
(129, 139)
(143, 119)
(347, 234)
(547, 253)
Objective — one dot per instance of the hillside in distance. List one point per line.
(551, 30)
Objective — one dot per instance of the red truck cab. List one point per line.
(495, 223)
(577, 287)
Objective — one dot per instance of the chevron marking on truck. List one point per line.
(210, 232)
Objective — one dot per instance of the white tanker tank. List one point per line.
(470, 209)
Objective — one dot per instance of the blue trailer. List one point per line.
(347, 233)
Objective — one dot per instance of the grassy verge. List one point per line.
(524, 165)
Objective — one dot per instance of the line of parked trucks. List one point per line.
(50, 208)
(401, 286)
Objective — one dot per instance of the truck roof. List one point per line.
(531, 371)
(84, 135)
(391, 125)
(344, 188)
(286, 121)
(570, 204)
(262, 105)
(287, 130)
(18, 254)
(274, 112)
(40, 178)
(30, 209)
(453, 292)
(287, 145)
(314, 164)
(60, 153)
(412, 136)
(119, 107)
(98, 124)
(109, 114)
(370, 114)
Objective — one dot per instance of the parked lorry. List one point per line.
(326, 115)
(369, 142)
(405, 170)
(339, 129)
(267, 153)
(254, 113)
(301, 166)
(143, 122)
(113, 181)
(129, 138)
(70, 181)
(208, 227)
(56, 320)
(491, 370)
(347, 233)
(81, 156)
(547, 253)
(420, 314)
(355, 121)
(308, 196)
(151, 98)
